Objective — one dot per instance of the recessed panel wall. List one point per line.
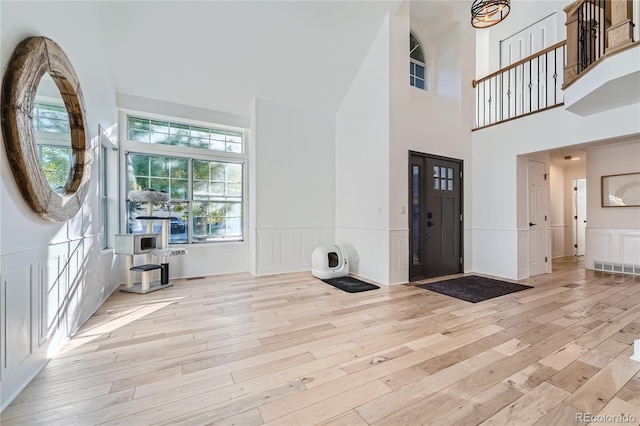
(17, 318)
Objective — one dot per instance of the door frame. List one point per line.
(575, 209)
(410, 205)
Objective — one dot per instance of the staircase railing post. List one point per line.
(620, 33)
(571, 66)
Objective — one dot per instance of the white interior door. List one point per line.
(537, 218)
(530, 40)
(525, 87)
(511, 51)
(536, 95)
(579, 214)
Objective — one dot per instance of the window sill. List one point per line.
(210, 244)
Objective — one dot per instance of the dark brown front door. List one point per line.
(435, 228)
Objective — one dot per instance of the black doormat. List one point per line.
(473, 288)
(350, 285)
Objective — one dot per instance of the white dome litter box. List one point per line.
(329, 262)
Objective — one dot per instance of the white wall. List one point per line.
(362, 164)
(49, 272)
(436, 121)
(294, 185)
(496, 218)
(400, 123)
(613, 233)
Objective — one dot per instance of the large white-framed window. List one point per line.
(202, 168)
(417, 64)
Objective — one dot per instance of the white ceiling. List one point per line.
(219, 55)
(438, 15)
(578, 157)
(557, 156)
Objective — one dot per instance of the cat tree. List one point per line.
(159, 249)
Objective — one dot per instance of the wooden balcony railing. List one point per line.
(530, 85)
(595, 29)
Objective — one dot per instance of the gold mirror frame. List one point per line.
(34, 57)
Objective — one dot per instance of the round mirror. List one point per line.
(53, 134)
(51, 173)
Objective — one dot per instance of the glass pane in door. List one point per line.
(415, 211)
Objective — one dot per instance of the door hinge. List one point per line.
(460, 218)
(461, 261)
(575, 217)
(545, 176)
(460, 174)
(575, 188)
(545, 218)
(545, 259)
(575, 246)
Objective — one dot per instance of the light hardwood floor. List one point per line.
(291, 350)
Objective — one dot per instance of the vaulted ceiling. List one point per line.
(221, 54)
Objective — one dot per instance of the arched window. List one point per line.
(417, 70)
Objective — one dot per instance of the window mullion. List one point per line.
(190, 202)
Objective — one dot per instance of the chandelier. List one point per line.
(487, 13)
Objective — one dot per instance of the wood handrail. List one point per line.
(474, 83)
(572, 9)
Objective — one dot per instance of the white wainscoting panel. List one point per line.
(500, 252)
(210, 259)
(17, 318)
(48, 298)
(110, 264)
(468, 250)
(558, 240)
(19, 338)
(266, 249)
(399, 260)
(368, 252)
(613, 246)
(630, 248)
(288, 250)
(47, 292)
(523, 254)
(75, 291)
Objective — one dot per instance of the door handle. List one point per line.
(532, 224)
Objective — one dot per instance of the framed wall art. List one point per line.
(621, 190)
